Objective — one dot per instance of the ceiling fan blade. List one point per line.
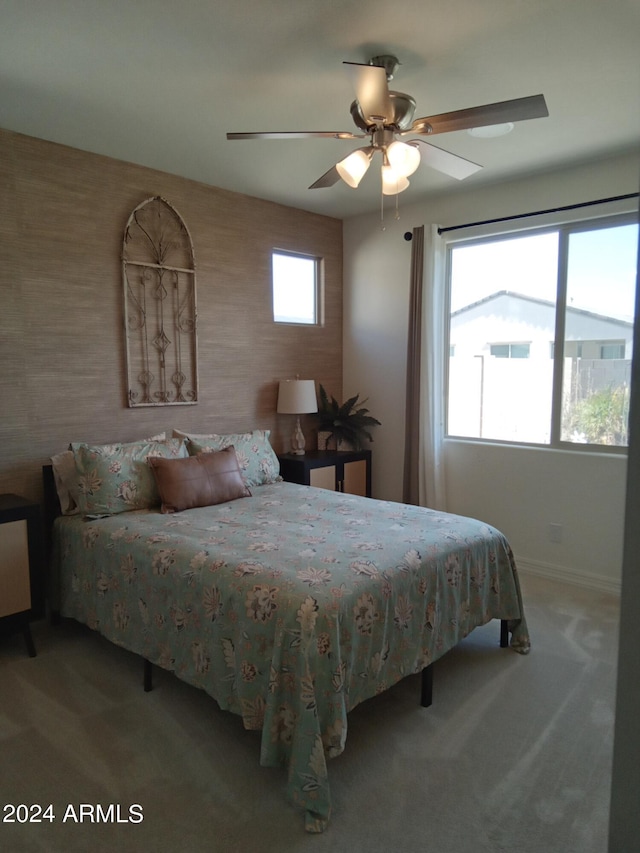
(327, 180)
(372, 91)
(298, 134)
(518, 109)
(444, 161)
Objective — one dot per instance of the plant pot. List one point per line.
(328, 441)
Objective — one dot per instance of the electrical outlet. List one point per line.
(555, 532)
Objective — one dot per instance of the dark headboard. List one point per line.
(51, 505)
(51, 511)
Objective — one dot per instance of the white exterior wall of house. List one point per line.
(477, 405)
(521, 490)
(477, 379)
(509, 318)
(502, 320)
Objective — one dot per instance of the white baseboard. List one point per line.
(567, 575)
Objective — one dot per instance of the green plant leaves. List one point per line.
(350, 422)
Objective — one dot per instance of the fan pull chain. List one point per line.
(397, 213)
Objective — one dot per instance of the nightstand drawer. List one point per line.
(355, 477)
(15, 583)
(21, 566)
(323, 478)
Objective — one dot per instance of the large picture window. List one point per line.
(566, 292)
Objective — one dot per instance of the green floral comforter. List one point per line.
(290, 607)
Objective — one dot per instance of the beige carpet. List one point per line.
(514, 754)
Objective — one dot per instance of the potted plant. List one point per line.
(346, 425)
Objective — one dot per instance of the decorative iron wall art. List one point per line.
(158, 270)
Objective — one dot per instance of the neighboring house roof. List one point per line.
(536, 301)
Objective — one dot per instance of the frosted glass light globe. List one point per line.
(404, 158)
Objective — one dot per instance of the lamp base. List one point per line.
(297, 440)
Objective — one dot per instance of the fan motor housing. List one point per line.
(403, 107)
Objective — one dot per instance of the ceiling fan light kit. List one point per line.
(387, 116)
(392, 182)
(354, 167)
(404, 158)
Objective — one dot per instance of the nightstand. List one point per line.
(346, 471)
(21, 559)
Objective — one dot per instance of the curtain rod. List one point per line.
(540, 212)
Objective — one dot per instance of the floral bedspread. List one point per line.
(290, 607)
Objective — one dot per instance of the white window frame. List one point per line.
(564, 230)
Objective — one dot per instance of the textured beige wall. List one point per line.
(62, 363)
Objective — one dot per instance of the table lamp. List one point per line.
(297, 397)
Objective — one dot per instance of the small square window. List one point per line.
(295, 288)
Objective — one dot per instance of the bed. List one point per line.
(289, 605)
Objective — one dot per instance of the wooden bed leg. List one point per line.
(426, 691)
(31, 649)
(148, 676)
(504, 634)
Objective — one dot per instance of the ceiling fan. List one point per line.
(386, 117)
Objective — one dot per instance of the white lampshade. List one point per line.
(353, 168)
(392, 183)
(297, 397)
(403, 158)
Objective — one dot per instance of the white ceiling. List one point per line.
(160, 82)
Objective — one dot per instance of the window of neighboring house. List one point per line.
(572, 285)
(612, 350)
(295, 284)
(509, 350)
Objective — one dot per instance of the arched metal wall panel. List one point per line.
(158, 271)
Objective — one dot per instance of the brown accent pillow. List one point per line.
(202, 480)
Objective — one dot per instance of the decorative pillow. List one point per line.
(259, 464)
(115, 478)
(65, 477)
(197, 436)
(202, 480)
